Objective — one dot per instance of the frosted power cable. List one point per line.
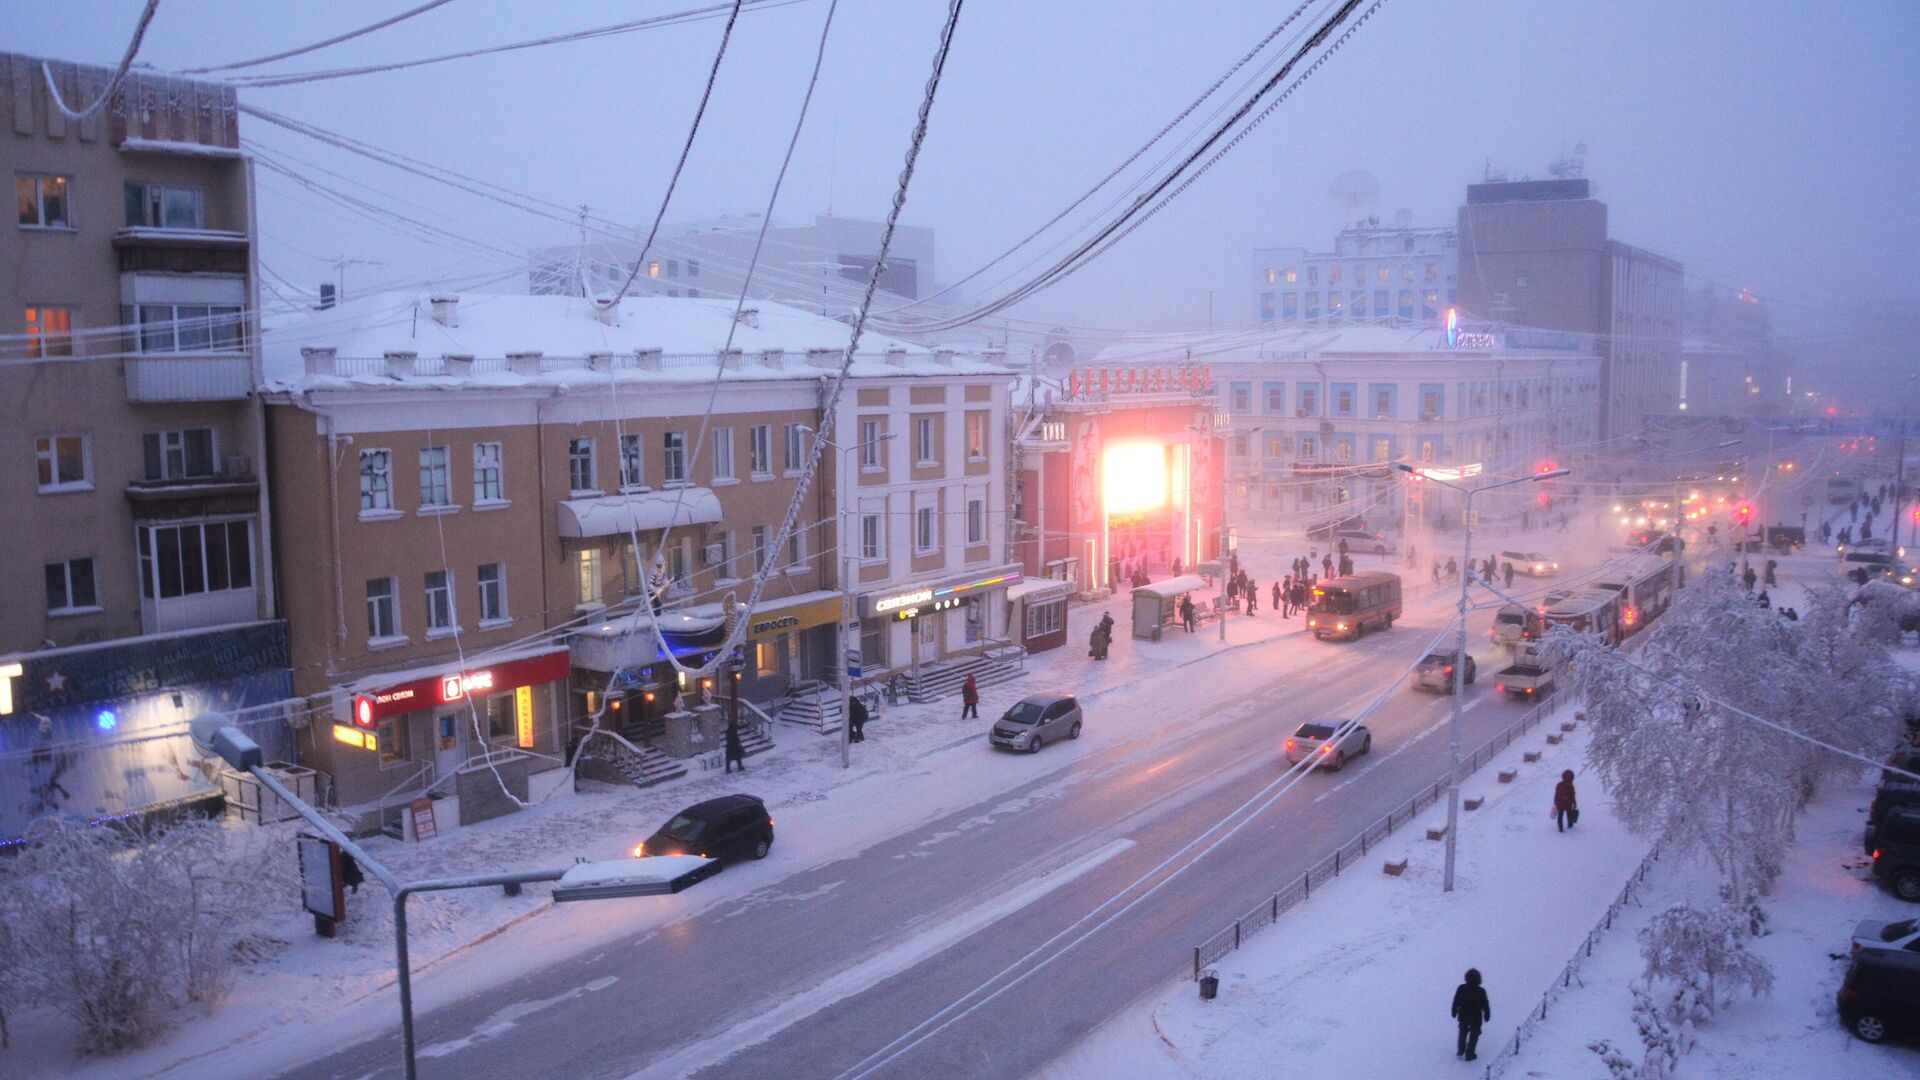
(318, 45)
(113, 84)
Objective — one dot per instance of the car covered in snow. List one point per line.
(1901, 936)
(1530, 563)
(1331, 740)
(1363, 540)
(727, 828)
(1035, 721)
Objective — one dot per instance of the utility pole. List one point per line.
(1900, 466)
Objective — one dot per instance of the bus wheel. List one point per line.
(1388, 625)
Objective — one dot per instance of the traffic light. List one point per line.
(1545, 466)
(1743, 513)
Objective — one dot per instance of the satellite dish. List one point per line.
(1354, 194)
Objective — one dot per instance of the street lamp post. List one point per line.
(846, 587)
(1460, 646)
(1900, 466)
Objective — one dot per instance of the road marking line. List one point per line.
(872, 971)
(505, 1019)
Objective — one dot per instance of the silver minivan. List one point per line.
(1035, 721)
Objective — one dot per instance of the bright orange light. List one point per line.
(639, 849)
(1326, 748)
(1133, 477)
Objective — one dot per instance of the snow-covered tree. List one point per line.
(1685, 943)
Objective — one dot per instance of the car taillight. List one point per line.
(1501, 687)
(639, 849)
(1326, 748)
(1529, 689)
(1289, 744)
(1449, 670)
(1876, 853)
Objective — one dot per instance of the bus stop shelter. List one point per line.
(1157, 605)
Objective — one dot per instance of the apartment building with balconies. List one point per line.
(138, 588)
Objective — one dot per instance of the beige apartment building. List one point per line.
(139, 592)
(499, 514)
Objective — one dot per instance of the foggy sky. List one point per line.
(1766, 144)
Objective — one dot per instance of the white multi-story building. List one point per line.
(1315, 416)
(1375, 273)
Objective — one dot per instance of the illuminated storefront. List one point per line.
(920, 622)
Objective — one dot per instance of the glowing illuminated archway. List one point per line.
(1133, 477)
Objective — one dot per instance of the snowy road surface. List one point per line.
(823, 972)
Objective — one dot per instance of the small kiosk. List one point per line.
(1157, 605)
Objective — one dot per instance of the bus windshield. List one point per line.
(1334, 602)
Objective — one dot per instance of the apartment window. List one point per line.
(1272, 275)
(924, 450)
(673, 267)
(1336, 304)
(870, 444)
(1383, 402)
(492, 578)
(693, 267)
(162, 206)
(70, 587)
(1380, 274)
(62, 463)
(1309, 448)
(1406, 274)
(925, 530)
(1343, 394)
(1276, 446)
(870, 537)
(1431, 308)
(723, 453)
(43, 202)
(1240, 398)
(1313, 305)
(653, 269)
(1266, 307)
(195, 558)
(1433, 271)
(1382, 448)
(1380, 308)
(678, 568)
(1430, 397)
(632, 463)
(183, 454)
(439, 589)
(796, 548)
(1309, 400)
(1276, 397)
(1313, 275)
(976, 436)
(580, 465)
(586, 575)
(673, 457)
(1290, 306)
(488, 486)
(762, 553)
(794, 449)
(976, 521)
(1359, 274)
(724, 562)
(1343, 448)
(1358, 308)
(760, 450)
(383, 612)
(49, 332)
(186, 328)
(630, 576)
(1333, 274)
(436, 478)
(1240, 445)
(1406, 303)
(1293, 276)
(376, 480)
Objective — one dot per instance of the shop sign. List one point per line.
(817, 612)
(375, 705)
(923, 599)
(354, 737)
(523, 716)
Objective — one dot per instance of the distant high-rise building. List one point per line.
(1728, 365)
(822, 267)
(1536, 253)
(1375, 273)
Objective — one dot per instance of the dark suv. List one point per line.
(729, 827)
(1896, 852)
(1881, 995)
(1891, 795)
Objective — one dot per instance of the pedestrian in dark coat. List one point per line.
(1326, 565)
(856, 721)
(1346, 565)
(1566, 808)
(970, 699)
(1186, 612)
(1766, 578)
(736, 754)
(1253, 595)
(1470, 1009)
(1279, 602)
(1748, 577)
(1506, 571)
(1343, 547)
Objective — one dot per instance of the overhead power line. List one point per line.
(113, 84)
(318, 45)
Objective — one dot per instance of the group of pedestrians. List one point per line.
(1101, 639)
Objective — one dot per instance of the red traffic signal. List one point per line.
(1743, 513)
(1546, 466)
(363, 711)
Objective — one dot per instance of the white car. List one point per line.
(1530, 563)
(1902, 936)
(1360, 540)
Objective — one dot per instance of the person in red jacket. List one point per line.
(970, 699)
(1566, 809)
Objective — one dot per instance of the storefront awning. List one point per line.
(939, 594)
(1035, 589)
(791, 613)
(612, 515)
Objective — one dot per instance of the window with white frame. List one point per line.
(49, 331)
(926, 530)
(871, 538)
(679, 565)
(976, 521)
(586, 574)
(760, 450)
(673, 457)
(194, 558)
(723, 543)
(723, 453)
(63, 463)
(976, 436)
(870, 444)
(436, 478)
(163, 206)
(795, 449)
(580, 465)
(383, 609)
(632, 463)
(186, 328)
(492, 578)
(376, 480)
(43, 201)
(180, 454)
(762, 552)
(1046, 618)
(439, 590)
(70, 587)
(488, 487)
(796, 549)
(926, 449)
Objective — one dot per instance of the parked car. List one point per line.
(1530, 563)
(1881, 995)
(1318, 737)
(1896, 852)
(727, 828)
(1363, 540)
(1892, 794)
(1326, 530)
(1035, 721)
(1901, 936)
(1876, 543)
(1861, 567)
(1435, 672)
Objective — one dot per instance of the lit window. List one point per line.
(43, 202)
(1293, 276)
(653, 269)
(976, 436)
(586, 573)
(1272, 275)
(49, 332)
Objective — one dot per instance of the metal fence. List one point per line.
(1353, 851)
(1510, 1050)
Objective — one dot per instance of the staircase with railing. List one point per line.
(942, 678)
(611, 758)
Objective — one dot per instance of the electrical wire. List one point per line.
(113, 84)
(318, 45)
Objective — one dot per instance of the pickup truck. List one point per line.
(1528, 676)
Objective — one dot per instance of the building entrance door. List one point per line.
(926, 638)
(452, 734)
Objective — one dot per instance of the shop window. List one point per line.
(766, 658)
(392, 738)
(1047, 618)
(873, 645)
(501, 723)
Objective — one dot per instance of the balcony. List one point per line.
(181, 251)
(170, 377)
(232, 489)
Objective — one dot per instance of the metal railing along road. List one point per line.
(1347, 855)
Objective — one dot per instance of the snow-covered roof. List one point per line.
(648, 511)
(687, 332)
(1267, 343)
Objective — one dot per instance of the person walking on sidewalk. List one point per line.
(1506, 571)
(1279, 600)
(1253, 595)
(970, 699)
(856, 720)
(1566, 808)
(1470, 1010)
(736, 754)
(1186, 612)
